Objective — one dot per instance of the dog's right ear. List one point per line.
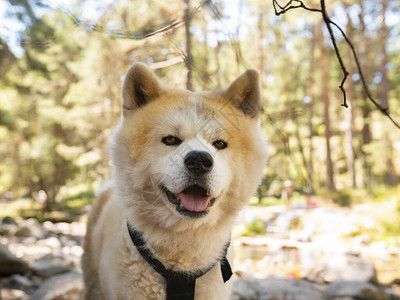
(139, 88)
(245, 93)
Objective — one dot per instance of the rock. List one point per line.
(9, 221)
(7, 229)
(23, 231)
(51, 242)
(353, 290)
(392, 293)
(66, 286)
(16, 281)
(244, 289)
(68, 241)
(343, 268)
(13, 295)
(395, 281)
(10, 264)
(274, 289)
(31, 228)
(46, 268)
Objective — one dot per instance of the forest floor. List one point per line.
(303, 252)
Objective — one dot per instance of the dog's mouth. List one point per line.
(192, 202)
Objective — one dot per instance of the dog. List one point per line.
(183, 165)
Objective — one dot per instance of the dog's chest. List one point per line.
(136, 280)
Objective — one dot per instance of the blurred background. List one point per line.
(330, 189)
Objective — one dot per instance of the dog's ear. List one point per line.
(140, 87)
(245, 93)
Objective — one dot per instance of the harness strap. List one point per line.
(180, 284)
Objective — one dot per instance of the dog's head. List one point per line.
(181, 157)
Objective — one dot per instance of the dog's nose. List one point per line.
(199, 162)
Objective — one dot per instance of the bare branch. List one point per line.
(345, 73)
(384, 110)
(166, 63)
(291, 5)
(328, 22)
(143, 34)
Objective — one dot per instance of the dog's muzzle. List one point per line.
(192, 202)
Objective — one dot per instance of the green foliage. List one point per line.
(342, 198)
(256, 227)
(61, 98)
(6, 120)
(385, 209)
(16, 207)
(76, 204)
(265, 201)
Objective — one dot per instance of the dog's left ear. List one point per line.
(140, 87)
(245, 92)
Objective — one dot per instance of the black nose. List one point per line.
(199, 162)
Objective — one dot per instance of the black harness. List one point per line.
(180, 284)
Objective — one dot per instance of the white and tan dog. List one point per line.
(184, 164)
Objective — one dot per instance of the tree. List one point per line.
(349, 113)
(324, 65)
(384, 91)
(188, 37)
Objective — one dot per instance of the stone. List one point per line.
(10, 264)
(46, 268)
(395, 281)
(243, 289)
(51, 242)
(343, 268)
(30, 228)
(275, 289)
(7, 229)
(353, 290)
(13, 294)
(16, 281)
(66, 286)
(9, 221)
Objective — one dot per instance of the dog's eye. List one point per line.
(220, 144)
(171, 140)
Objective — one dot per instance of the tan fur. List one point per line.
(113, 269)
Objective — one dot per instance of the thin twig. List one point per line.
(345, 73)
(163, 29)
(385, 111)
(287, 149)
(329, 22)
(290, 5)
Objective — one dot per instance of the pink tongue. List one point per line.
(193, 203)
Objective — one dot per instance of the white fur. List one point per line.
(141, 163)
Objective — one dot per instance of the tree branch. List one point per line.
(328, 22)
(290, 5)
(166, 63)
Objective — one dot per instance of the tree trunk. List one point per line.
(218, 65)
(324, 65)
(349, 112)
(383, 37)
(310, 108)
(206, 74)
(189, 57)
(389, 176)
(365, 106)
(236, 41)
(300, 143)
(259, 48)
